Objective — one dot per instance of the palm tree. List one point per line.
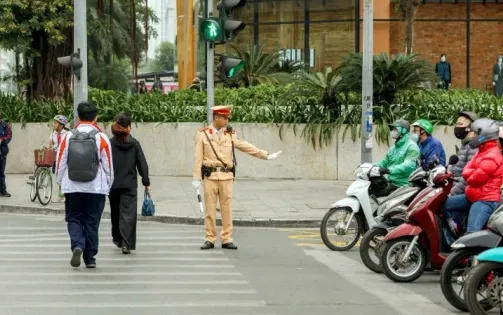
(407, 10)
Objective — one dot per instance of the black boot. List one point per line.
(4, 193)
(230, 245)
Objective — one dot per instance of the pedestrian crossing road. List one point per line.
(167, 274)
(270, 274)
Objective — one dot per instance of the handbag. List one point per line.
(148, 208)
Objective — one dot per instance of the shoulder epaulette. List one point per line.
(203, 128)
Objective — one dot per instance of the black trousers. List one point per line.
(124, 212)
(3, 162)
(83, 214)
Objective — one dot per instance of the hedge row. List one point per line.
(261, 104)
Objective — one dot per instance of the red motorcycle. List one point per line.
(410, 246)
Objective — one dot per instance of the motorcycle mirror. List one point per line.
(453, 159)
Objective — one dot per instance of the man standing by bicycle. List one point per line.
(5, 138)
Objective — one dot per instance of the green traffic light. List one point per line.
(236, 69)
(210, 30)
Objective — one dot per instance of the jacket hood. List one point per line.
(124, 146)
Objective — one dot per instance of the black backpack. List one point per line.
(83, 158)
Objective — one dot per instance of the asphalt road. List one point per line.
(273, 272)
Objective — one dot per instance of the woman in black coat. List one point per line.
(128, 161)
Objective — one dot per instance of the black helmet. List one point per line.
(401, 123)
(470, 115)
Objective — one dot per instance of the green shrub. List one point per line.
(269, 104)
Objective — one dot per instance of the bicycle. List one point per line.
(42, 177)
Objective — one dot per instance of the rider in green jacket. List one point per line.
(401, 159)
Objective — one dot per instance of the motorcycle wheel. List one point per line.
(446, 278)
(476, 278)
(324, 225)
(365, 248)
(399, 247)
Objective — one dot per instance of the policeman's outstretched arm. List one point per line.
(252, 150)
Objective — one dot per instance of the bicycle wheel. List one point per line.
(44, 186)
(32, 181)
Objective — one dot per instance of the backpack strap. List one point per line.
(93, 133)
(75, 131)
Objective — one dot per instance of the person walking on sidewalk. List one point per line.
(215, 163)
(85, 172)
(5, 138)
(128, 157)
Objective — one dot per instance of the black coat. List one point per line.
(127, 158)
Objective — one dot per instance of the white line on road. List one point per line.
(131, 274)
(142, 238)
(141, 227)
(105, 245)
(102, 234)
(124, 259)
(139, 252)
(119, 282)
(402, 300)
(37, 266)
(203, 304)
(129, 292)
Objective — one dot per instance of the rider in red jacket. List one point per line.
(483, 175)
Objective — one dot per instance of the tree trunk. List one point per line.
(409, 16)
(48, 79)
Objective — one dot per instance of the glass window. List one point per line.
(323, 10)
(280, 11)
(330, 42)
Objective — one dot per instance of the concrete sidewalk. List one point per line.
(278, 203)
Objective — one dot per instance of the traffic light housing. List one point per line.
(229, 67)
(73, 62)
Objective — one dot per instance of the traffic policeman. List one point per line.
(215, 164)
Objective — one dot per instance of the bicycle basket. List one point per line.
(44, 158)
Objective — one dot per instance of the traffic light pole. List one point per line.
(367, 81)
(210, 73)
(80, 45)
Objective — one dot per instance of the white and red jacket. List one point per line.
(105, 177)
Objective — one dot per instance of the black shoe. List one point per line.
(125, 250)
(208, 245)
(117, 244)
(229, 246)
(91, 266)
(77, 253)
(4, 194)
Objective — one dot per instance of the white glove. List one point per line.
(274, 155)
(196, 184)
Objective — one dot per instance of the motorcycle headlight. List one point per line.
(421, 202)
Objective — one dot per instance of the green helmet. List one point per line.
(424, 124)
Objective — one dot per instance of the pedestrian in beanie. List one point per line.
(129, 161)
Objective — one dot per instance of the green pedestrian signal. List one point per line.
(210, 30)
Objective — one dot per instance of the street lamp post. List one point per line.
(367, 82)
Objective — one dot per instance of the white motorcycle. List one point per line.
(355, 213)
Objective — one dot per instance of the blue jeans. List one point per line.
(456, 208)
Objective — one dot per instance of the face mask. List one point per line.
(394, 134)
(442, 59)
(415, 137)
(460, 132)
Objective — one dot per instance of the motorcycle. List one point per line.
(465, 248)
(391, 213)
(407, 245)
(486, 275)
(356, 209)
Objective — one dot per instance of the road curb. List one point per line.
(277, 223)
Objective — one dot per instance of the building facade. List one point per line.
(165, 10)
(322, 32)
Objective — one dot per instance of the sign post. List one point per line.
(367, 81)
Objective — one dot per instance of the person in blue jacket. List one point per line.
(428, 145)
